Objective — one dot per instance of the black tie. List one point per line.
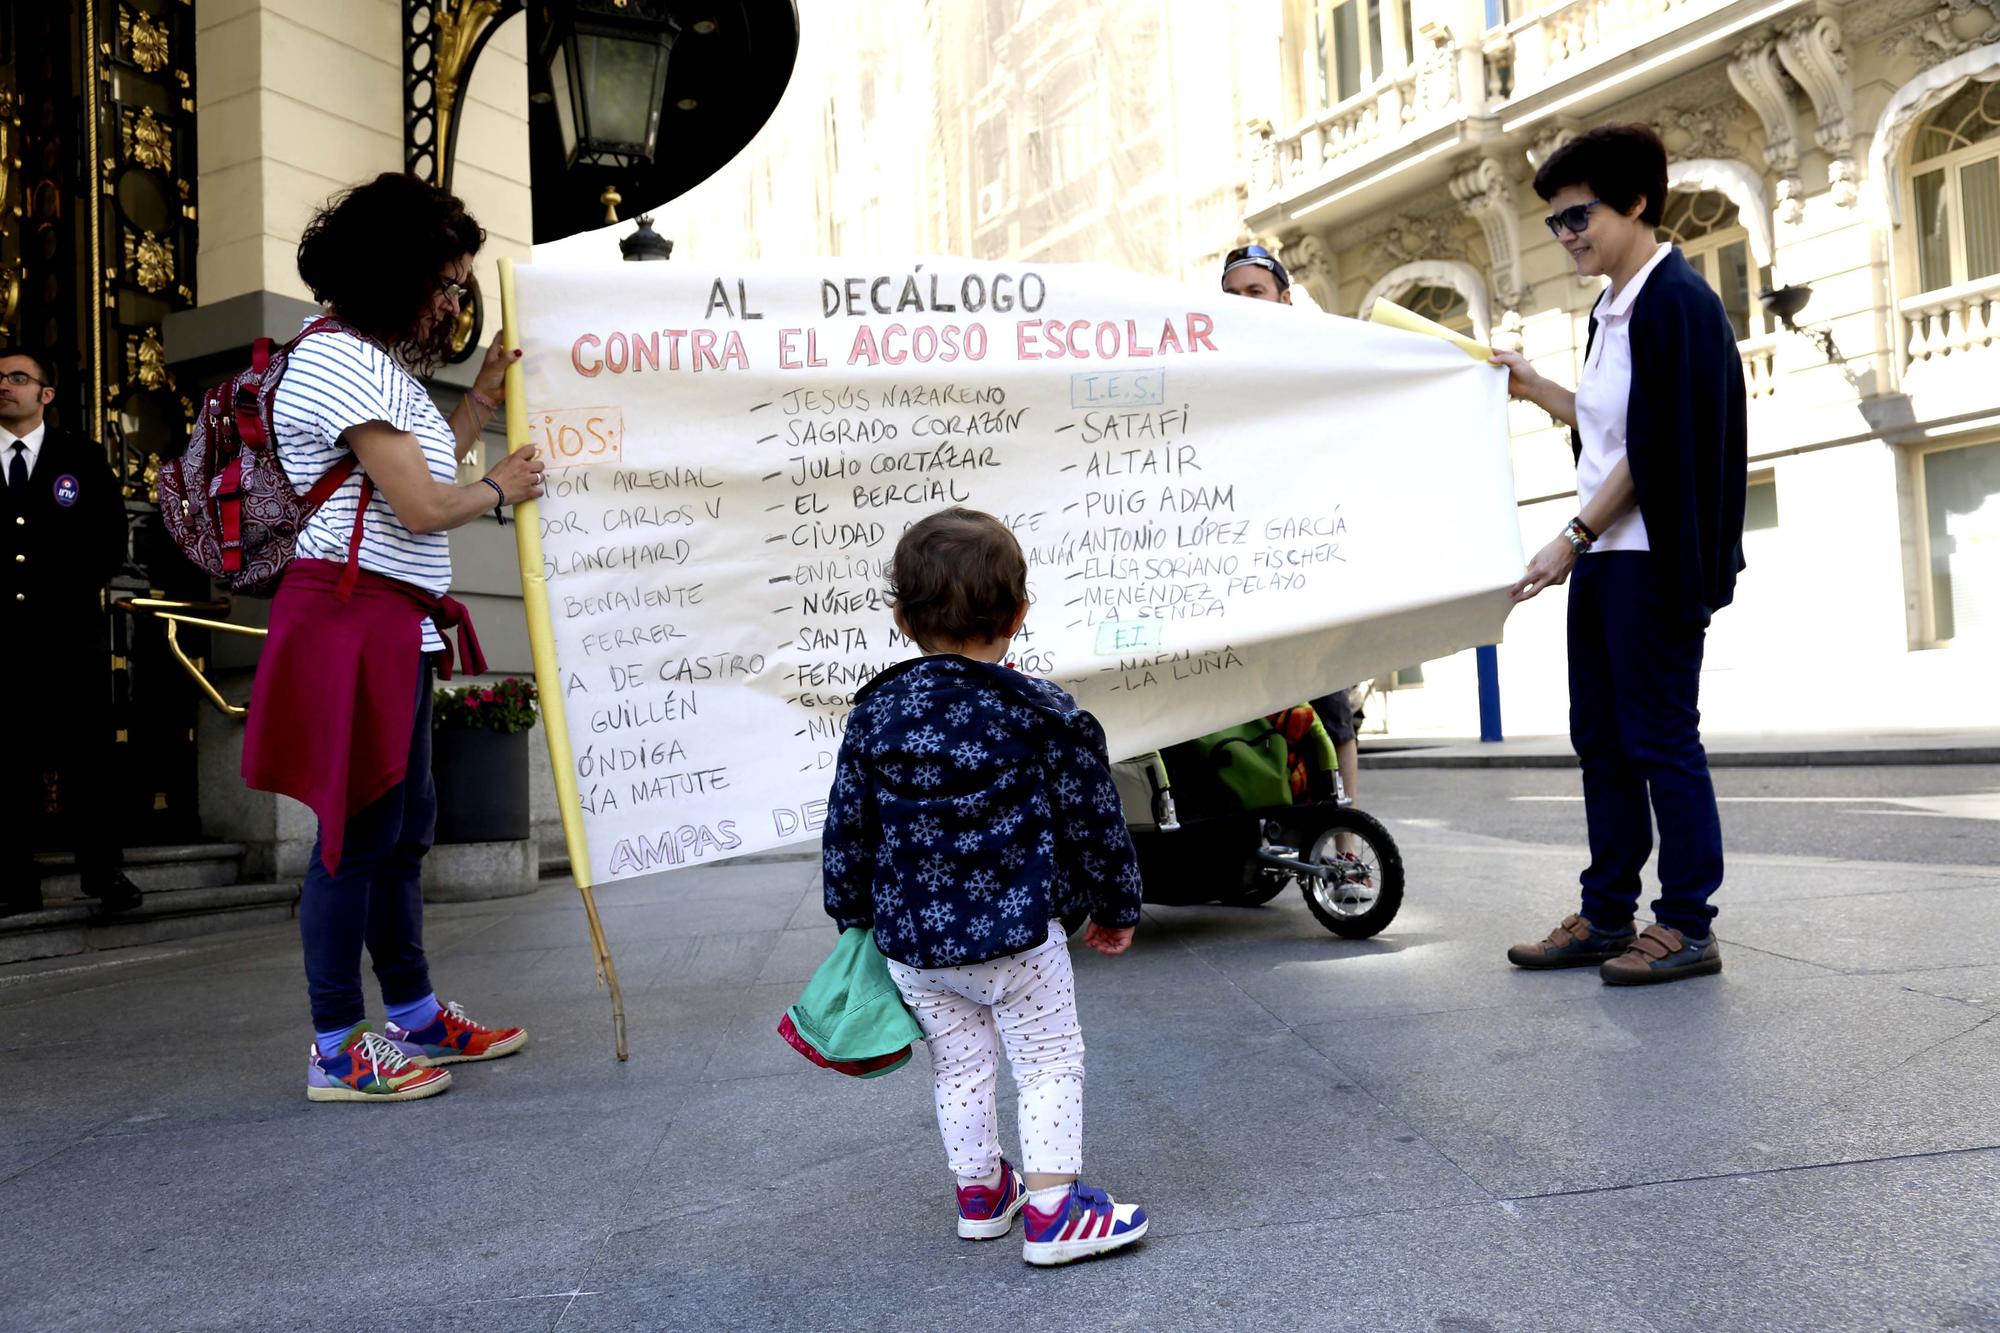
(17, 467)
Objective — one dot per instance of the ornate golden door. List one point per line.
(97, 247)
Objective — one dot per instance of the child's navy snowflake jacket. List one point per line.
(971, 804)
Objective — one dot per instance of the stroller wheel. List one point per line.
(1360, 887)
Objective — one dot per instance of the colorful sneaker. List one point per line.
(370, 1068)
(1088, 1222)
(986, 1212)
(452, 1039)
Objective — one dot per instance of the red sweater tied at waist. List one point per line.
(336, 690)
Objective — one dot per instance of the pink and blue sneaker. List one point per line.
(370, 1068)
(986, 1212)
(1087, 1222)
(453, 1038)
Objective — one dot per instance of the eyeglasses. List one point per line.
(459, 293)
(21, 379)
(1572, 219)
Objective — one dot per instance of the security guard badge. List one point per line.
(66, 490)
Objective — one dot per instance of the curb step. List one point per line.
(71, 926)
(198, 865)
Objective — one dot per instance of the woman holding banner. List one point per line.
(340, 716)
(1658, 430)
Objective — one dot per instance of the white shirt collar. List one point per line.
(1622, 306)
(33, 439)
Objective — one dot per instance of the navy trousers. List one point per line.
(376, 896)
(1634, 678)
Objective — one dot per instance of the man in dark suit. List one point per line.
(62, 537)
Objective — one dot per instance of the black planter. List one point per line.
(482, 784)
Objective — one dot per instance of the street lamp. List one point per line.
(608, 73)
(644, 243)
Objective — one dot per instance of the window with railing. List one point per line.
(1710, 233)
(1955, 181)
(1346, 45)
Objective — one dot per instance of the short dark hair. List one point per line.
(376, 253)
(1620, 164)
(43, 370)
(958, 577)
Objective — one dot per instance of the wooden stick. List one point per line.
(607, 971)
(548, 683)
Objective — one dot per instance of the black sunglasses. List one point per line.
(1572, 219)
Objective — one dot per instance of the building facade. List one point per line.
(1845, 150)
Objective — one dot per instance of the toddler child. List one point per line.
(971, 806)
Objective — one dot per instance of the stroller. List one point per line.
(1242, 814)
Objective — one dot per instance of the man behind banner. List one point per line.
(1255, 272)
(1661, 448)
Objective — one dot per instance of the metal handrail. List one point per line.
(174, 613)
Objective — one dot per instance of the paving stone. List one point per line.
(1699, 1077)
(1906, 1244)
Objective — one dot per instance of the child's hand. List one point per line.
(1107, 940)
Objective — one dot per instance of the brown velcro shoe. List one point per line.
(1575, 943)
(1662, 953)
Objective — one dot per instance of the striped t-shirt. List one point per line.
(335, 381)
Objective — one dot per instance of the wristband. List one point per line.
(1578, 536)
(499, 499)
(482, 400)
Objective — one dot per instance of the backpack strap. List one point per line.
(352, 574)
(334, 477)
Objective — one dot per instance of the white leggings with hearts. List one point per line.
(1026, 1002)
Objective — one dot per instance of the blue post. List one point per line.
(1489, 693)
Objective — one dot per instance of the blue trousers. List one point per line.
(1634, 677)
(376, 896)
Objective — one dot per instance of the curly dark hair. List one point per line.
(1621, 164)
(376, 254)
(958, 577)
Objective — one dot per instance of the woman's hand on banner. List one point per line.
(1524, 381)
(1550, 566)
(1522, 377)
(519, 475)
(1108, 940)
(491, 382)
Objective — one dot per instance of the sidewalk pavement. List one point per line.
(1741, 749)
(1396, 1134)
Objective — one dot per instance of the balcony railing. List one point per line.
(1457, 78)
(1950, 321)
(1760, 378)
(1582, 31)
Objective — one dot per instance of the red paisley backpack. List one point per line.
(226, 500)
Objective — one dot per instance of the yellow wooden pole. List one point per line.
(548, 684)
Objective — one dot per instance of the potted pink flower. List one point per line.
(479, 760)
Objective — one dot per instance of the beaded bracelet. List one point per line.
(491, 405)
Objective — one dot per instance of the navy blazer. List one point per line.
(62, 539)
(1686, 436)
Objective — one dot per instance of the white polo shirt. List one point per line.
(1603, 397)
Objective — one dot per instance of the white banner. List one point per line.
(1228, 506)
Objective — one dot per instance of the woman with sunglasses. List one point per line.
(1657, 427)
(340, 717)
